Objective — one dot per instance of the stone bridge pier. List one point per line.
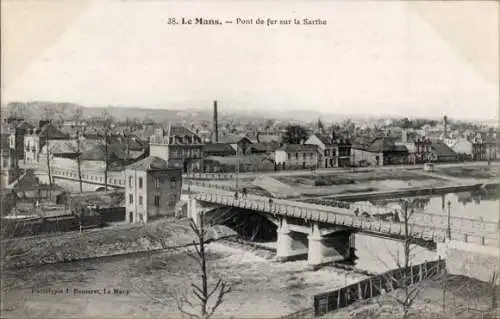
(322, 245)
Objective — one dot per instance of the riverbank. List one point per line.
(119, 240)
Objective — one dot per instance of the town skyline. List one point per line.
(390, 61)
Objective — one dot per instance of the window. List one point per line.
(130, 181)
(304, 155)
(289, 156)
(140, 200)
(326, 152)
(157, 201)
(130, 199)
(172, 181)
(140, 182)
(296, 155)
(157, 182)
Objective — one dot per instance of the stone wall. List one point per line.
(471, 260)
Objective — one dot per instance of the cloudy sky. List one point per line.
(383, 58)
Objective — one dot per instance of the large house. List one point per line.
(296, 156)
(378, 151)
(19, 129)
(179, 147)
(152, 189)
(7, 164)
(35, 139)
(327, 149)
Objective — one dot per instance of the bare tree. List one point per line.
(402, 276)
(201, 291)
(48, 114)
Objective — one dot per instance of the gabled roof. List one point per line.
(24, 126)
(52, 132)
(149, 163)
(265, 147)
(233, 139)
(266, 138)
(219, 148)
(325, 139)
(382, 144)
(180, 130)
(299, 148)
(115, 152)
(442, 149)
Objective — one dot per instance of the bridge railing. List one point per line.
(116, 179)
(327, 215)
(209, 176)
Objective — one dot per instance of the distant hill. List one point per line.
(39, 109)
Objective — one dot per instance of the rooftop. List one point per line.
(149, 163)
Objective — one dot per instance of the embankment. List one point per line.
(32, 251)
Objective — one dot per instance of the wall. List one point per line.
(169, 192)
(135, 192)
(361, 155)
(462, 147)
(469, 259)
(160, 151)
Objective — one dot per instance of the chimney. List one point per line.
(445, 122)
(215, 136)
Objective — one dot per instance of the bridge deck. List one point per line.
(339, 216)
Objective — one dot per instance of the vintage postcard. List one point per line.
(250, 159)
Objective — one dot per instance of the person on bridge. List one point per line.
(236, 195)
(244, 192)
(270, 203)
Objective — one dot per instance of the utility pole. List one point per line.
(237, 167)
(449, 220)
(78, 162)
(48, 156)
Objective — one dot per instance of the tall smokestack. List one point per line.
(215, 137)
(445, 121)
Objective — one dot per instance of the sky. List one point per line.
(383, 58)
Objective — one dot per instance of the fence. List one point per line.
(304, 313)
(374, 286)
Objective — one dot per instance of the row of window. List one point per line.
(304, 155)
(156, 182)
(156, 200)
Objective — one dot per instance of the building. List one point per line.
(423, 151)
(152, 189)
(218, 149)
(263, 148)
(327, 149)
(19, 130)
(296, 156)
(238, 142)
(491, 148)
(441, 152)
(37, 138)
(179, 147)
(7, 164)
(345, 153)
(378, 152)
